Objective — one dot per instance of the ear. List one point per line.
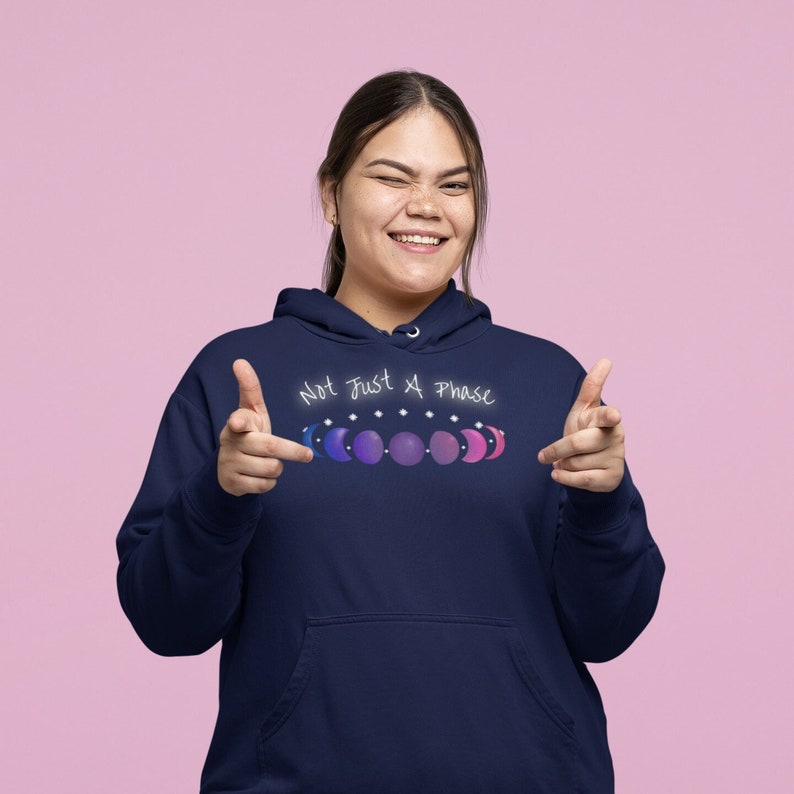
(328, 199)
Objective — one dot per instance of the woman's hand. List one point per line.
(250, 457)
(591, 453)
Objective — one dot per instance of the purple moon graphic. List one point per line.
(444, 447)
(368, 447)
(334, 443)
(307, 439)
(478, 446)
(407, 449)
(500, 442)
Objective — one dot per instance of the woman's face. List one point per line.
(406, 213)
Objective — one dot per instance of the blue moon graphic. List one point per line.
(307, 439)
(334, 443)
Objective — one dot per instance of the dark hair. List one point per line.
(377, 104)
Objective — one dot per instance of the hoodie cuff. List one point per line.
(597, 512)
(218, 511)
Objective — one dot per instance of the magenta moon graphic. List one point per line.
(478, 446)
(500, 442)
(334, 443)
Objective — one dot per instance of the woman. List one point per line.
(412, 607)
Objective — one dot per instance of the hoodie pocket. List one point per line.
(404, 702)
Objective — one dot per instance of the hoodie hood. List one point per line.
(450, 321)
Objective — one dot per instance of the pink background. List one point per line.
(156, 190)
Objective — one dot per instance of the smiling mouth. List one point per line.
(417, 239)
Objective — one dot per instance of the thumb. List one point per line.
(251, 398)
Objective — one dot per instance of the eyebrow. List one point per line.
(463, 169)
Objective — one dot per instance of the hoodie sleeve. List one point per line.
(607, 570)
(181, 546)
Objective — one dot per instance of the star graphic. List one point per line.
(453, 418)
(379, 413)
(429, 414)
(352, 417)
(328, 422)
(478, 425)
(403, 412)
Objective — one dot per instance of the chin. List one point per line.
(420, 287)
(423, 282)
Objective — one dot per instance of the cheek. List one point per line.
(372, 213)
(464, 222)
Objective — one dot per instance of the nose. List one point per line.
(423, 203)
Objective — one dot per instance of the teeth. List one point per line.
(416, 239)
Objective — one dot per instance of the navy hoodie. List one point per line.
(412, 610)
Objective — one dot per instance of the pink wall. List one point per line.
(156, 190)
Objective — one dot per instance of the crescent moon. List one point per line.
(500, 443)
(334, 443)
(478, 446)
(307, 439)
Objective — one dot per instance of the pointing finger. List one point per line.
(285, 449)
(266, 445)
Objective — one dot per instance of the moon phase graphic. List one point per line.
(405, 448)
(444, 447)
(307, 439)
(500, 442)
(334, 443)
(368, 447)
(478, 446)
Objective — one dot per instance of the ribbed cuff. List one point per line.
(596, 512)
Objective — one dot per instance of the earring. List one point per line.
(333, 220)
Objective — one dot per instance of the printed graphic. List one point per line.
(406, 448)
(343, 441)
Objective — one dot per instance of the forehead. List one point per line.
(421, 137)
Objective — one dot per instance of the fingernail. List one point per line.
(542, 456)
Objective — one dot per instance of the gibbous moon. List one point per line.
(478, 446)
(368, 447)
(334, 443)
(500, 442)
(444, 447)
